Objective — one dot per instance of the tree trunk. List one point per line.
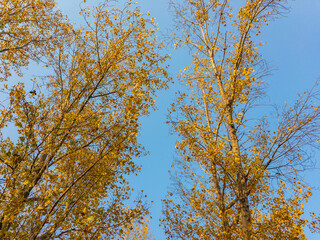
(245, 215)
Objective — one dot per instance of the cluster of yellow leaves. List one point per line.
(139, 229)
(281, 212)
(29, 29)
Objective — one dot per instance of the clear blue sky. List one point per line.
(293, 50)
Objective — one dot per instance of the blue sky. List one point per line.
(292, 49)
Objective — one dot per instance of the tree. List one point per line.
(64, 175)
(232, 175)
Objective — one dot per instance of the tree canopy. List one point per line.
(65, 174)
(233, 166)
(69, 143)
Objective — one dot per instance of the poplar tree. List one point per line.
(232, 172)
(63, 173)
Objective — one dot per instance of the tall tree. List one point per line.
(227, 162)
(63, 176)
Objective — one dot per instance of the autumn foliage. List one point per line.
(236, 171)
(69, 133)
(64, 175)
